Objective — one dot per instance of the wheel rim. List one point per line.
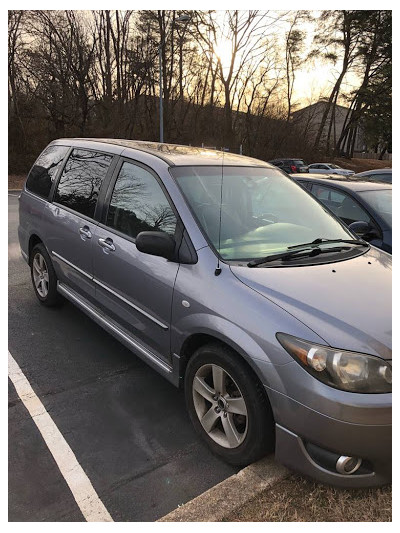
(220, 406)
(40, 275)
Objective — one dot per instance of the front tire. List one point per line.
(44, 279)
(227, 405)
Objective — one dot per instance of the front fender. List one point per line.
(239, 340)
(226, 309)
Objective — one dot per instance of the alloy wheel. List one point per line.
(220, 406)
(40, 275)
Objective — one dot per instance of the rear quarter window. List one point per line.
(44, 171)
(80, 182)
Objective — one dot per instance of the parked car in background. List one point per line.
(329, 168)
(290, 165)
(365, 206)
(383, 175)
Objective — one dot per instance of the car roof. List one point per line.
(174, 154)
(343, 182)
(376, 171)
(323, 163)
(287, 159)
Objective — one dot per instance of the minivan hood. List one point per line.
(348, 303)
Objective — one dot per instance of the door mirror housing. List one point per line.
(156, 243)
(363, 229)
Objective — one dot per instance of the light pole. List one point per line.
(182, 18)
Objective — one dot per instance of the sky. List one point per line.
(315, 78)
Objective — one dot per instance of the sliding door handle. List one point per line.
(85, 232)
(107, 244)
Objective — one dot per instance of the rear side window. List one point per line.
(45, 170)
(81, 180)
(138, 203)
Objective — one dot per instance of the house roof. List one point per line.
(319, 103)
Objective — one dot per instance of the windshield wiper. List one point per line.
(321, 240)
(291, 253)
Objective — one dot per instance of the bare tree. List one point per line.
(375, 52)
(293, 59)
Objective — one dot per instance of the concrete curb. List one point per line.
(220, 501)
(14, 190)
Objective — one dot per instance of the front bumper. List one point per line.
(298, 425)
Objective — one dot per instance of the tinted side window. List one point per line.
(321, 192)
(45, 169)
(386, 178)
(306, 184)
(350, 211)
(138, 203)
(342, 204)
(81, 180)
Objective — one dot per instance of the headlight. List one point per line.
(349, 371)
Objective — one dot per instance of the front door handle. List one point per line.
(85, 232)
(107, 244)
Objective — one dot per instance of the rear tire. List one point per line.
(227, 405)
(44, 279)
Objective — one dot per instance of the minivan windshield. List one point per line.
(263, 211)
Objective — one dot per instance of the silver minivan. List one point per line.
(232, 281)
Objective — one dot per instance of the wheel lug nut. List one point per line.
(217, 409)
(225, 414)
(215, 397)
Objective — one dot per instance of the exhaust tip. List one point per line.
(346, 465)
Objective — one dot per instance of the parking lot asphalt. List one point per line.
(126, 425)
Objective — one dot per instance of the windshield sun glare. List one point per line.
(262, 212)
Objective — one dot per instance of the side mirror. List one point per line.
(363, 229)
(156, 243)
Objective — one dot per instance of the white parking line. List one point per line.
(85, 496)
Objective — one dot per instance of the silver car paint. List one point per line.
(245, 308)
(145, 283)
(330, 306)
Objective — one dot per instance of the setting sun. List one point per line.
(223, 51)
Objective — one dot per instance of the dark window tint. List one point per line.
(306, 184)
(81, 180)
(299, 162)
(138, 203)
(342, 204)
(321, 192)
(385, 177)
(45, 170)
